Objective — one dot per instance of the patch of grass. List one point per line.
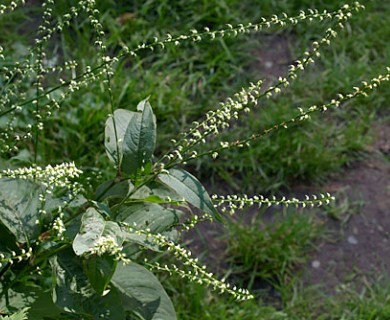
(296, 302)
(344, 209)
(370, 303)
(193, 302)
(373, 303)
(271, 250)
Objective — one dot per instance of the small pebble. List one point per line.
(352, 240)
(268, 64)
(315, 264)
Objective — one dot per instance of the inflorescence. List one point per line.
(108, 245)
(197, 273)
(51, 177)
(231, 203)
(12, 257)
(11, 7)
(243, 101)
(305, 113)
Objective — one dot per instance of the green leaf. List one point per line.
(113, 189)
(187, 186)
(74, 294)
(92, 227)
(44, 308)
(135, 243)
(142, 292)
(146, 215)
(19, 208)
(113, 230)
(122, 118)
(156, 188)
(16, 298)
(156, 199)
(99, 270)
(140, 140)
(149, 215)
(52, 202)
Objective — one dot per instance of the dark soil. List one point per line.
(360, 249)
(271, 64)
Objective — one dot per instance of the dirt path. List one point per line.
(360, 249)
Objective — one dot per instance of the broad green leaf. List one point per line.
(157, 199)
(113, 189)
(19, 297)
(92, 227)
(142, 292)
(146, 215)
(149, 215)
(154, 199)
(113, 230)
(122, 118)
(52, 203)
(19, 208)
(156, 188)
(44, 308)
(140, 139)
(74, 294)
(135, 243)
(73, 228)
(72, 286)
(187, 186)
(99, 270)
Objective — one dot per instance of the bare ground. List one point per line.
(360, 249)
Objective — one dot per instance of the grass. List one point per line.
(271, 250)
(295, 301)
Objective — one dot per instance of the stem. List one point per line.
(5, 269)
(38, 71)
(50, 254)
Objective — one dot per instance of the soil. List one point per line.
(271, 64)
(357, 248)
(360, 251)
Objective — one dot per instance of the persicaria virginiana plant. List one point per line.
(83, 256)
